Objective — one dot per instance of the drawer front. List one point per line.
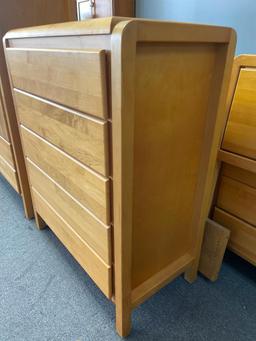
(243, 236)
(9, 173)
(238, 199)
(6, 152)
(240, 132)
(86, 186)
(90, 229)
(3, 128)
(87, 258)
(83, 138)
(74, 78)
(239, 174)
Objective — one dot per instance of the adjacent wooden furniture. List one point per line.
(213, 249)
(104, 8)
(14, 14)
(235, 199)
(120, 122)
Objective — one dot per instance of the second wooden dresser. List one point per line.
(120, 122)
(235, 199)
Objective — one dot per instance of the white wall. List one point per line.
(239, 14)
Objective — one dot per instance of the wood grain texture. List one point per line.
(84, 185)
(168, 150)
(239, 174)
(96, 269)
(64, 128)
(6, 152)
(51, 73)
(238, 199)
(90, 229)
(213, 249)
(3, 126)
(13, 14)
(243, 235)
(166, 129)
(156, 282)
(101, 26)
(123, 101)
(241, 127)
(237, 160)
(9, 173)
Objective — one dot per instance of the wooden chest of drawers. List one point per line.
(20, 14)
(120, 121)
(235, 204)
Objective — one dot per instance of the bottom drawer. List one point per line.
(87, 258)
(243, 236)
(9, 173)
(6, 152)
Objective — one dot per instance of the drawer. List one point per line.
(3, 129)
(74, 78)
(6, 152)
(243, 235)
(90, 229)
(96, 269)
(9, 173)
(82, 137)
(240, 132)
(238, 199)
(86, 186)
(239, 174)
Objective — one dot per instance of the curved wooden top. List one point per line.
(71, 28)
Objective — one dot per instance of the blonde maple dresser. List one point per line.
(120, 121)
(235, 199)
(14, 14)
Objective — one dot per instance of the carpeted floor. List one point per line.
(45, 295)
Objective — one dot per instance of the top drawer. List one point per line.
(74, 78)
(240, 134)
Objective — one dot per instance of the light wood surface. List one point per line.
(237, 160)
(241, 127)
(63, 128)
(160, 279)
(213, 249)
(239, 174)
(159, 161)
(16, 14)
(9, 173)
(87, 226)
(234, 202)
(94, 266)
(164, 130)
(238, 199)
(51, 73)
(6, 152)
(86, 186)
(243, 235)
(148, 174)
(3, 125)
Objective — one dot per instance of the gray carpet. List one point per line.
(45, 295)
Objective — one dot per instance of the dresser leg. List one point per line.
(191, 274)
(123, 321)
(40, 223)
